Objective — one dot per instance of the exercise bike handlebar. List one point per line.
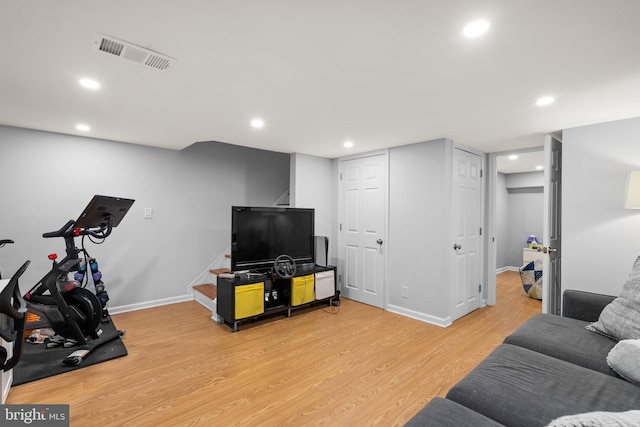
(63, 232)
(68, 230)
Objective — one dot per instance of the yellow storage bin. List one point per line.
(302, 290)
(249, 300)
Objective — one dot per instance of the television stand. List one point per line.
(249, 297)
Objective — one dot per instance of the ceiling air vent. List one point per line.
(132, 52)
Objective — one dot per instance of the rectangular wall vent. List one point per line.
(132, 52)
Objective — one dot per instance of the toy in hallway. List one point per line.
(533, 242)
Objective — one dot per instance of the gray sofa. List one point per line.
(548, 368)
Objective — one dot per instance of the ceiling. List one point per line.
(378, 73)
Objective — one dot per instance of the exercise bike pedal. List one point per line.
(76, 358)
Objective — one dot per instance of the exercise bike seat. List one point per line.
(13, 305)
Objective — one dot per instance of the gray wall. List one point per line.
(49, 178)
(501, 222)
(525, 217)
(600, 239)
(519, 214)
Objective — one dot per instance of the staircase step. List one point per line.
(219, 271)
(209, 290)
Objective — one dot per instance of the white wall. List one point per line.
(312, 186)
(419, 230)
(49, 178)
(600, 239)
(524, 180)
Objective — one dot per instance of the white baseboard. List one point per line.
(149, 304)
(438, 321)
(507, 268)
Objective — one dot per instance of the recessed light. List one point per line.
(257, 123)
(90, 83)
(82, 127)
(348, 144)
(539, 167)
(476, 28)
(513, 157)
(545, 100)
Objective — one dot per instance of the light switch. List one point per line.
(148, 213)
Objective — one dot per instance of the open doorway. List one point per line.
(519, 209)
(517, 202)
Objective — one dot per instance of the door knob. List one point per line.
(379, 241)
(549, 250)
(456, 246)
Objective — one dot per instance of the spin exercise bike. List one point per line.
(13, 312)
(71, 310)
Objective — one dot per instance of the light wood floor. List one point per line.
(352, 365)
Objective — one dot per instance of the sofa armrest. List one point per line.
(584, 305)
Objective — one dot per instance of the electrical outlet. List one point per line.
(405, 292)
(148, 213)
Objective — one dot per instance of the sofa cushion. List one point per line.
(583, 305)
(621, 318)
(564, 338)
(519, 387)
(624, 358)
(447, 413)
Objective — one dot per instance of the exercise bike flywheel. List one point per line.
(86, 311)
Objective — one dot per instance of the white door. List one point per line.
(551, 231)
(467, 215)
(362, 215)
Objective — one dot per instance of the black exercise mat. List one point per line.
(38, 362)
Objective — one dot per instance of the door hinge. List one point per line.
(481, 231)
(340, 176)
(480, 173)
(340, 226)
(479, 287)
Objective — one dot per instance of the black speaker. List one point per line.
(322, 250)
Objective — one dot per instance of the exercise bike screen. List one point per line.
(98, 210)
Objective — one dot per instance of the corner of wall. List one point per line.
(293, 160)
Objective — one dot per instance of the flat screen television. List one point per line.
(259, 235)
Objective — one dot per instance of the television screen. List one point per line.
(259, 235)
